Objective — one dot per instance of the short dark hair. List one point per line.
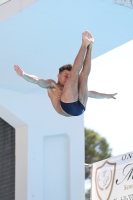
(65, 67)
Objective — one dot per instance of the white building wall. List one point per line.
(11, 7)
(55, 146)
(112, 72)
(21, 155)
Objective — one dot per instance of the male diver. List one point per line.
(70, 94)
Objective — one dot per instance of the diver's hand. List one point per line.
(18, 70)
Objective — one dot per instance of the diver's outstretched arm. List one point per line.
(98, 95)
(34, 79)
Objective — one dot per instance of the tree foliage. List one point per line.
(87, 195)
(96, 149)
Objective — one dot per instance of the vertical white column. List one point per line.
(56, 161)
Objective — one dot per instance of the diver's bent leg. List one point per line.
(83, 77)
(70, 90)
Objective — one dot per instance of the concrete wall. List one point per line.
(112, 72)
(11, 7)
(55, 146)
(21, 156)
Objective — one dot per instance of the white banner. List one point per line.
(112, 179)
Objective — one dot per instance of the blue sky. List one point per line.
(47, 35)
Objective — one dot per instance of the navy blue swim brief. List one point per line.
(74, 108)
